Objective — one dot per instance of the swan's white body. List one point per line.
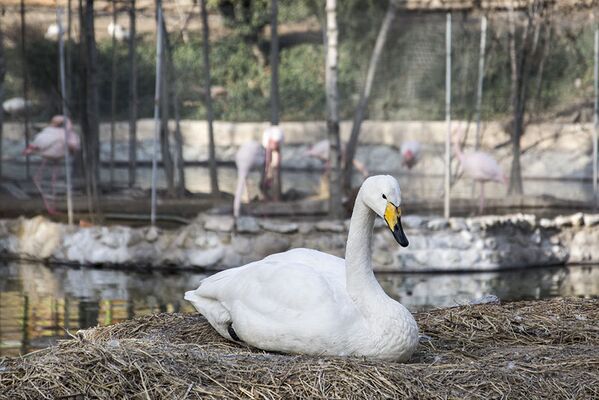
(308, 302)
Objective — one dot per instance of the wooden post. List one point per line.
(25, 83)
(132, 97)
(157, 89)
(596, 118)
(113, 95)
(65, 113)
(208, 97)
(446, 208)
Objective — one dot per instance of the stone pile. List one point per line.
(215, 242)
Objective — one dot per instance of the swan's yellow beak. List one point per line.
(393, 219)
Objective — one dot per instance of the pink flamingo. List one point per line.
(50, 145)
(479, 166)
(320, 150)
(410, 153)
(253, 154)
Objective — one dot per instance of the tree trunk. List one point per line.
(2, 74)
(174, 94)
(113, 96)
(25, 82)
(365, 94)
(332, 95)
(90, 121)
(132, 97)
(165, 148)
(518, 65)
(274, 89)
(208, 97)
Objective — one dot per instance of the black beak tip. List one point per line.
(400, 236)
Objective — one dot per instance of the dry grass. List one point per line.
(542, 349)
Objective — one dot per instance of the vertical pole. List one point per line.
(65, 113)
(274, 64)
(209, 113)
(596, 118)
(157, 89)
(446, 207)
(113, 95)
(481, 77)
(25, 82)
(132, 96)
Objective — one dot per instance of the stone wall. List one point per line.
(215, 242)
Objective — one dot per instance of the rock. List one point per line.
(205, 257)
(591, 219)
(547, 223)
(437, 224)
(563, 221)
(577, 219)
(152, 234)
(486, 299)
(219, 223)
(279, 227)
(269, 243)
(412, 221)
(458, 224)
(330, 226)
(247, 225)
(305, 228)
(242, 245)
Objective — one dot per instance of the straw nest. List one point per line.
(540, 349)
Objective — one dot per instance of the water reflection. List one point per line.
(39, 304)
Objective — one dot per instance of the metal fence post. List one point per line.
(446, 208)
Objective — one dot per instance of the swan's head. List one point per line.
(382, 194)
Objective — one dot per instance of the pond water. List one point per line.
(40, 304)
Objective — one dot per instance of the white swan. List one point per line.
(308, 302)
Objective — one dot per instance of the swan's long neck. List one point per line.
(362, 286)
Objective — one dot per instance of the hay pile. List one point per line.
(541, 349)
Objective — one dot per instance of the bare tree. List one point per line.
(208, 97)
(2, 74)
(365, 94)
(89, 98)
(132, 96)
(332, 96)
(165, 148)
(521, 65)
(172, 73)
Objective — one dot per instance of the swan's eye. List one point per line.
(384, 197)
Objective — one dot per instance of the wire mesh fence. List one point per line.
(407, 100)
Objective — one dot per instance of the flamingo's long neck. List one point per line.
(456, 145)
(362, 285)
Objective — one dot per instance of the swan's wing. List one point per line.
(279, 302)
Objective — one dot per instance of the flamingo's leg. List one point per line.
(361, 168)
(247, 191)
(481, 205)
(52, 210)
(37, 182)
